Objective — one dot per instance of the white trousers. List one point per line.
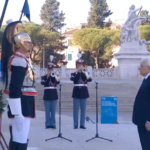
(21, 136)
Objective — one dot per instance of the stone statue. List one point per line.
(143, 41)
(130, 29)
(132, 13)
(132, 47)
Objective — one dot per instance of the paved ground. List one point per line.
(124, 134)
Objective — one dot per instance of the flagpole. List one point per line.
(22, 10)
(3, 13)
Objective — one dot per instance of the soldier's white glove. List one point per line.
(87, 75)
(57, 78)
(19, 120)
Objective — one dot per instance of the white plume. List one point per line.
(9, 21)
(79, 55)
(51, 58)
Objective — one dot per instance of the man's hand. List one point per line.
(19, 120)
(147, 125)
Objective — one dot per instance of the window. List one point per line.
(69, 56)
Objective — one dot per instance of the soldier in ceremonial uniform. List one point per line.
(80, 93)
(19, 77)
(50, 81)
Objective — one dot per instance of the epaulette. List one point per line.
(17, 61)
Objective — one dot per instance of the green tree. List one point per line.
(145, 13)
(98, 13)
(97, 44)
(145, 33)
(52, 18)
(2, 104)
(55, 50)
(1, 34)
(40, 35)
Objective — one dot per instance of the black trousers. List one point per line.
(144, 137)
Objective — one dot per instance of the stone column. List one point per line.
(63, 71)
(38, 73)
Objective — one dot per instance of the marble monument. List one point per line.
(132, 47)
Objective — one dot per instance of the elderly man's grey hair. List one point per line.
(147, 60)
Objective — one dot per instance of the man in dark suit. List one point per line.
(141, 110)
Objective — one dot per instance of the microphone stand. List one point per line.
(60, 134)
(97, 134)
(1, 136)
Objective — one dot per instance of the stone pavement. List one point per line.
(124, 135)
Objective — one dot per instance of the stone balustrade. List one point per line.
(65, 73)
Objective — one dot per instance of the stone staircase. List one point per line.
(125, 91)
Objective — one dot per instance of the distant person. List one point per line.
(50, 81)
(80, 93)
(141, 110)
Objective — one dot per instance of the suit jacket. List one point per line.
(50, 94)
(80, 92)
(141, 110)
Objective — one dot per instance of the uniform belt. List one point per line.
(80, 84)
(28, 86)
(28, 89)
(50, 88)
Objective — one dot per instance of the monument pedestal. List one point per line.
(129, 58)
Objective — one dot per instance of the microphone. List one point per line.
(96, 82)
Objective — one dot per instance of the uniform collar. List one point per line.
(19, 54)
(147, 76)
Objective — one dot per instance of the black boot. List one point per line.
(10, 130)
(13, 145)
(22, 146)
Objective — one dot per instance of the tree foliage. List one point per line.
(39, 35)
(97, 45)
(1, 34)
(52, 18)
(1, 37)
(145, 33)
(2, 104)
(43, 38)
(98, 13)
(145, 13)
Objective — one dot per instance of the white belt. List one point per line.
(50, 88)
(28, 90)
(80, 84)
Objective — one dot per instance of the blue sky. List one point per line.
(76, 10)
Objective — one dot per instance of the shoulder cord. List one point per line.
(32, 71)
